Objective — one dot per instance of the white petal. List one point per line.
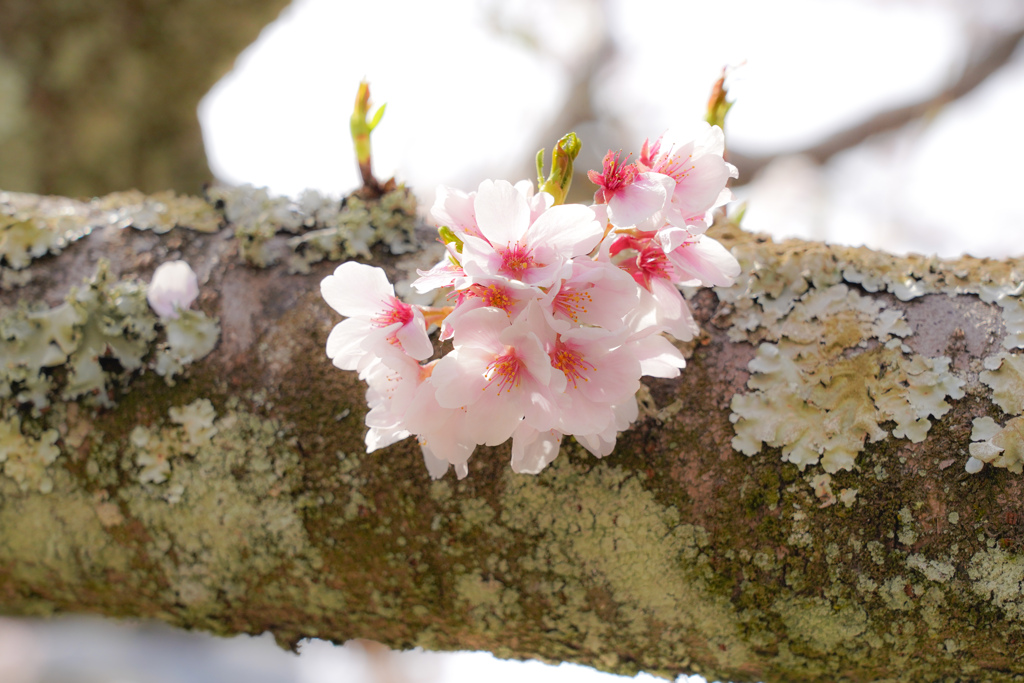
(502, 213)
(657, 356)
(345, 343)
(357, 289)
(436, 467)
(378, 437)
(532, 451)
(414, 339)
(568, 229)
(641, 199)
(706, 260)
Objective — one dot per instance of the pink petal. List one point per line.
(502, 213)
(532, 451)
(706, 260)
(568, 230)
(356, 289)
(641, 199)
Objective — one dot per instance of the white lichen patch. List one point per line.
(356, 227)
(1004, 374)
(907, 532)
(159, 212)
(920, 392)
(152, 454)
(322, 227)
(804, 618)
(826, 409)
(822, 485)
(117, 324)
(934, 570)
(32, 226)
(22, 239)
(996, 445)
(25, 459)
(1008, 297)
(811, 397)
(190, 337)
(102, 322)
(997, 577)
(832, 365)
(31, 340)
(103, 333)
(158, 447)
(197, 418)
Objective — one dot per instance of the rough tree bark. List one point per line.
(240, 499)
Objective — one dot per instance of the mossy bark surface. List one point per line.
(241, 499)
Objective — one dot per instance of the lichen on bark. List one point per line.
(674, 554)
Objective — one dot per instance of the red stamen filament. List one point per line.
(515, 260)
(396, 312)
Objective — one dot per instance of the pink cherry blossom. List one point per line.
(699, 170)
(554, 313)
(514, 247)
(443, 274)
(377, 324)
(698, 259)
(510, 296)
(602, 443)
(593, 293)
(500, 374)
(599, 371)
(632, 196)
(454, 208)
(393, 385)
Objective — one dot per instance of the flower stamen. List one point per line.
(572, 302)
(506, 370)
(516, 260)
(396, 312)
(493, 295)
(571, 363)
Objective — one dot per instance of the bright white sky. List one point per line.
(463, 102)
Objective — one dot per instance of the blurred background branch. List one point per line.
(101, 95)
(986, 60)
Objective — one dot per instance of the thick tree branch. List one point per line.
(241, 499)
(977, 71)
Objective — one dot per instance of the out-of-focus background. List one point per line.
(888, 123)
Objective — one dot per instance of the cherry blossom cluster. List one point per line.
(555, 310)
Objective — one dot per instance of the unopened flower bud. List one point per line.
(448, 236)
(718, 107)
(560, 178)
(174, 287)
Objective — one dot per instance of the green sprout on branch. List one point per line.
(361, 125)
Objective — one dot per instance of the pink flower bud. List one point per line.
(174, 286)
